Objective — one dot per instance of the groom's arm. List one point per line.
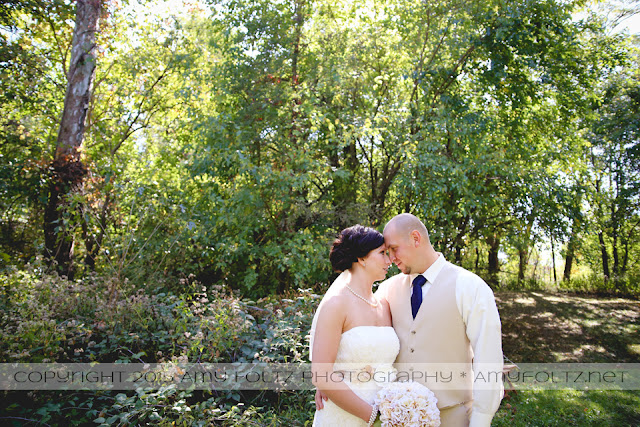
(478, 309)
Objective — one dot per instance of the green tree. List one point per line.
(67, 168)
(135, 133)
(507, 124)
(34, 44)
(615, 173)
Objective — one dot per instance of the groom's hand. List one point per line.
(320, 396)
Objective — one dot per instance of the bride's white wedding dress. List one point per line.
(365, 355)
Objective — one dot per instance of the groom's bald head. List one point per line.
(405, 223)
(408, 244)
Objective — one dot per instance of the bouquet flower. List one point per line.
(407, 404)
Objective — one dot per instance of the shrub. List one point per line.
(48, 318)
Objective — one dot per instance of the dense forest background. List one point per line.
(172, 174)
(232, 140)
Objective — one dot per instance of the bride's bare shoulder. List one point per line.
(336, 301)
(332, 314)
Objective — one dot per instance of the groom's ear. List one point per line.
(416, 238)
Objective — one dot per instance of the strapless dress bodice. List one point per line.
(365, 358)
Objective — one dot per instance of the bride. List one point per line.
(351, 333)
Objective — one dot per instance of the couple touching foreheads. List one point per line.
(431, 314)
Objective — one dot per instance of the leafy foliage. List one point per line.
(217, 326)
(227, 144)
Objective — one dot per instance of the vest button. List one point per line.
(412, 350)
(413, 332)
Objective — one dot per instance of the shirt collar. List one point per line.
(433, 271)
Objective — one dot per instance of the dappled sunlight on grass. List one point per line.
(592, 323)
(569, 408)
(543, 315)
(588, 348)
(525, 301)
(546, 327)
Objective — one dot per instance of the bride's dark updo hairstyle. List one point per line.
(353, 243)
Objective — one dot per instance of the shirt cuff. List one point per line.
(478, 419)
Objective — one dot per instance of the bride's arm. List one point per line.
(325, 348)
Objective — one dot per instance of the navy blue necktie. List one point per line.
(416, 295)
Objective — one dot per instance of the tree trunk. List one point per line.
(458, 255)
(523, 246)
(568, 261)
(522, 264)
(626, 240)
(625, 259)
(614, 228)
(605, 257)
(494, 265)
(67, 168)
(614, 251)
(553, 260)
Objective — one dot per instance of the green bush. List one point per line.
(51, 319)
(628, 285)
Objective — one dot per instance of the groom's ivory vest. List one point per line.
(436, 336)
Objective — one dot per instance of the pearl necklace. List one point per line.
(361, 297)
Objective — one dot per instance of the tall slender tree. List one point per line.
(67, 169)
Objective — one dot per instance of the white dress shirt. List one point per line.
(477, 306)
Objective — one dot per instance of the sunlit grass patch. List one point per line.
(569, 408)
(525, 301)
(591, 323)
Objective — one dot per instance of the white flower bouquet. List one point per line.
(407, 404)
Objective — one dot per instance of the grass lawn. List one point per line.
(541, 327)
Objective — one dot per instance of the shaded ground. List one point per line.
(554, 327)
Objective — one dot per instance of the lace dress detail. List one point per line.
(365, 356)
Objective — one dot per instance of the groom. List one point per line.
(443, 314)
